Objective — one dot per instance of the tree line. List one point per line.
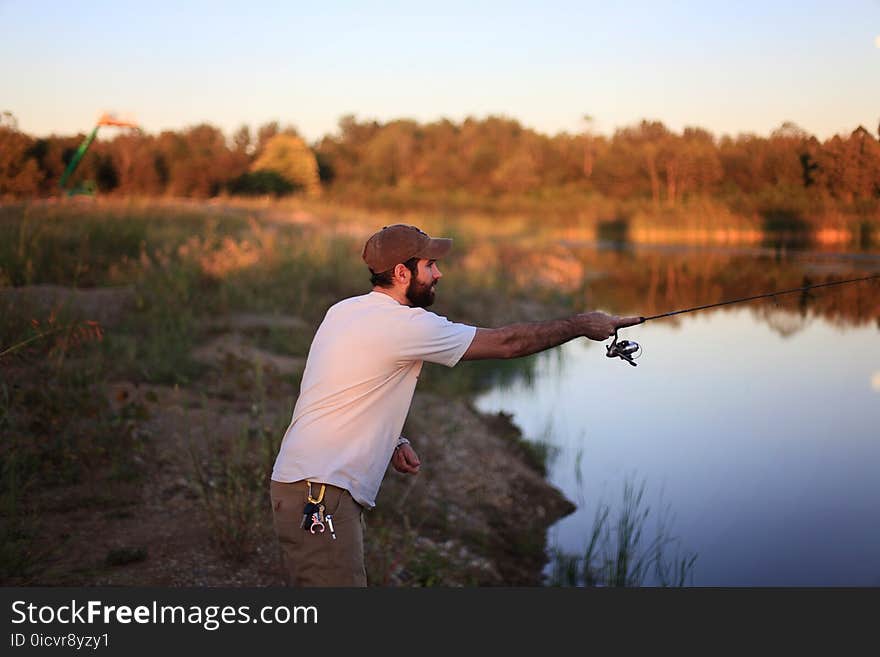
(490, 157)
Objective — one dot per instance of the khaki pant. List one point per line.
(317, 559)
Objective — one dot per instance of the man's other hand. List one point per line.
(405, 460)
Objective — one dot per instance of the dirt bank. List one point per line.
(196, 512)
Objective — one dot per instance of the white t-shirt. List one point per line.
(356, 390)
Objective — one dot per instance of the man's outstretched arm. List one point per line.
(517, 340)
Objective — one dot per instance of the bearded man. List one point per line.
(356, 391)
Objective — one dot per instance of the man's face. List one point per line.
(420, 292)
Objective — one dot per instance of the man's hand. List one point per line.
(405, 459)
(599, 326)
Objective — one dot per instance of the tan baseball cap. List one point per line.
(400, 242)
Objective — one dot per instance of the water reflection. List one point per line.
(650, 280)
(656, 283)
(755, 420)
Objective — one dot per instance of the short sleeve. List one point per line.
(430, 337)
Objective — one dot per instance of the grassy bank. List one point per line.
(151, 353)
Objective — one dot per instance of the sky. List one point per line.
(729, 67)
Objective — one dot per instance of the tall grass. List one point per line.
(229, 485)
(231, 475)
(185, 269)
(618, 552)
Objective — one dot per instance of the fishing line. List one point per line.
(629, 351)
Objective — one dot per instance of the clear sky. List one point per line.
(730, 67)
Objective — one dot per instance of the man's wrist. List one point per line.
(401, 441)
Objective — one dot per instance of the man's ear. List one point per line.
(401, 273)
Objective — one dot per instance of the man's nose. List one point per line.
(437, 273)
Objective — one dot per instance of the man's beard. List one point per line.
(420, 295)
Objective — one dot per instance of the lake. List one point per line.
(753, 428)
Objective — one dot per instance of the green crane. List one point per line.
(89, 187)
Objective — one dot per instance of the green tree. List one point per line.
(288, 155)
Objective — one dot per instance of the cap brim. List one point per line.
(436, 248)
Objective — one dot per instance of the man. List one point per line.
(356, 391)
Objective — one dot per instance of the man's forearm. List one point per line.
(516, 340)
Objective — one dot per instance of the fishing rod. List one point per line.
(629, 350)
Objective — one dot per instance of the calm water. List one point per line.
(756, 426)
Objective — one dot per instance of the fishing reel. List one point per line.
(627, 350)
